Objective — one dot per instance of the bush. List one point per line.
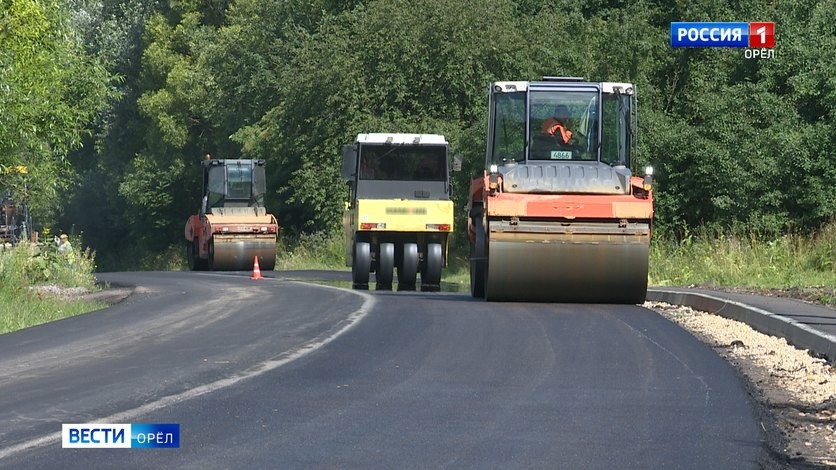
(822, 254)
(32, 264)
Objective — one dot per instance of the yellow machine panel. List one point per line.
(402, 215)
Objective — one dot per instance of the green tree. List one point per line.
(742, 142)
(50, 91)
(113, 32)
(379, 67)
(736, 142)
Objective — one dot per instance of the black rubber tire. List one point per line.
(195, 263)
(431, 276)
(478, 261)
(408, 270)
(385, 266)
(361, 266)
(190, 256)
(210, 261)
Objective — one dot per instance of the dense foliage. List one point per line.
(51, 91)
(738, 143)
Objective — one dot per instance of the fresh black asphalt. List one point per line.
(425, 380)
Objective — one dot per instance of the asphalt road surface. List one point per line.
(282, 374)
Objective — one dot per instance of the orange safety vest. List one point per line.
(553, 125)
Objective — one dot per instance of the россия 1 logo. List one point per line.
(758, 38)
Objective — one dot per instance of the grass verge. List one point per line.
(745, 261)
(314, 251)
(28, 308)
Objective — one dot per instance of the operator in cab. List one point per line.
(557, 126)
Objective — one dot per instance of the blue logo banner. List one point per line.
(146, 436)
(709, 34)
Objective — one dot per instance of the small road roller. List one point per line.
(233, 227)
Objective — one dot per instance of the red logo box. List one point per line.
(762, 34)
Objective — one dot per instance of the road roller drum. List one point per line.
(237, 252)
(568, 268)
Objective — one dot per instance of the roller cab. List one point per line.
(557, 214)
(233, 227)
(399, 214)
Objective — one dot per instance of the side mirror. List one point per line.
(349, 162)
(457, 162)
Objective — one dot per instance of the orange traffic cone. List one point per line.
(256, 270)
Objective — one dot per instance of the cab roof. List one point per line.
(401, 139)
(606, 87)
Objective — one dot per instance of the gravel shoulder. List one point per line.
(107, 296)
(796, 392)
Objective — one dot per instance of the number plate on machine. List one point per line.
(561, 155)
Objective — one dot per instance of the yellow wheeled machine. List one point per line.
(233, 226)
(399, 215)
(557, 214)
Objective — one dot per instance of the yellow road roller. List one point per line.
(399, 215)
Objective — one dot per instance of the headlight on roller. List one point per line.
(648, 178)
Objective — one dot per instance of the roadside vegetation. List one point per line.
(804, 263)
(706, 257)
(35, 279)
(321, 250)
